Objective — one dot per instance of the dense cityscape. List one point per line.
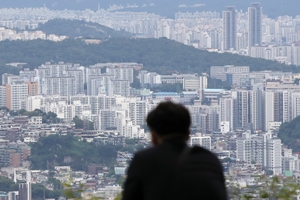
(64, 124)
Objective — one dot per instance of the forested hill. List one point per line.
(161, 55)
(57, 149)
(289, 133)
(77, 28)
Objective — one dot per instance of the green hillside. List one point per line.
(77, 28)
(289, 133)
(161, 55)
(58, 150)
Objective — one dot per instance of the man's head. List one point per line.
(169, 120)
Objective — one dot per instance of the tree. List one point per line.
(22, 112)
(4, 108)
(78, 122)
(68, 150)
(7, 185)
(80, 28)
(265, 188)
(289, 133)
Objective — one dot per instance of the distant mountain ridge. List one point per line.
(159, 55)
(272, 8)
(77, 28)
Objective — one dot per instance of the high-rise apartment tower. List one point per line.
(255, 24)
(229, 28)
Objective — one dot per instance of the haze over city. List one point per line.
(166, 8)
(78, 79)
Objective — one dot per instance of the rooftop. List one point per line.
(165, 93)
(214, 90)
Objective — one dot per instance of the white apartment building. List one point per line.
(79, 80)
(241, 108)
(53, 70)
(219, 72)
(176, 78)
(33, 102)
(200, 140)
(2, 96)
(224, 127)
(149, 78)
(295, 105)
(121, 73)
(226, 112)
(205, 118)
(107, 119)
(16, 93)
(260, 150)
(63, 86)
(256, 101)
(100, 84)
(97, 103)
(137, 112)
(133, 131)
(285, 54)
(251, 149)
(8, 79)
(195, 83)
(274, 157)
(121, 87)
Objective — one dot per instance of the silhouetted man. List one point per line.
(170, 169)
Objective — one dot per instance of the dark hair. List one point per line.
(169, 119)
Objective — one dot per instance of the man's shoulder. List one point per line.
(198, 150)
(158, 150)
(148, 152)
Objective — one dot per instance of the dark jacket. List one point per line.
(154, 174)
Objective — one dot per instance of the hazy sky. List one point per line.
(271, 7)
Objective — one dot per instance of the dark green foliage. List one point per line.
(58, 150)
(129, 141)
(77, 28)
(56, 184)
(4, 109)
(83, 124)
(8, 69)
(50, 117)
(7, 185)
(269, 172)
(160, 55)
(78, 122)
(39, 192)
(136, 82)
(289, 133)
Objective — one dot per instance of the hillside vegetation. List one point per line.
(77, 28)
(56, 150)
(289, 133)
(160, 55)
(38, 190)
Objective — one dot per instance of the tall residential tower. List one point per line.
(229, 28)
(255, 24)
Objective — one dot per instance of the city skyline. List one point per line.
(272, 8)
(73, 102)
